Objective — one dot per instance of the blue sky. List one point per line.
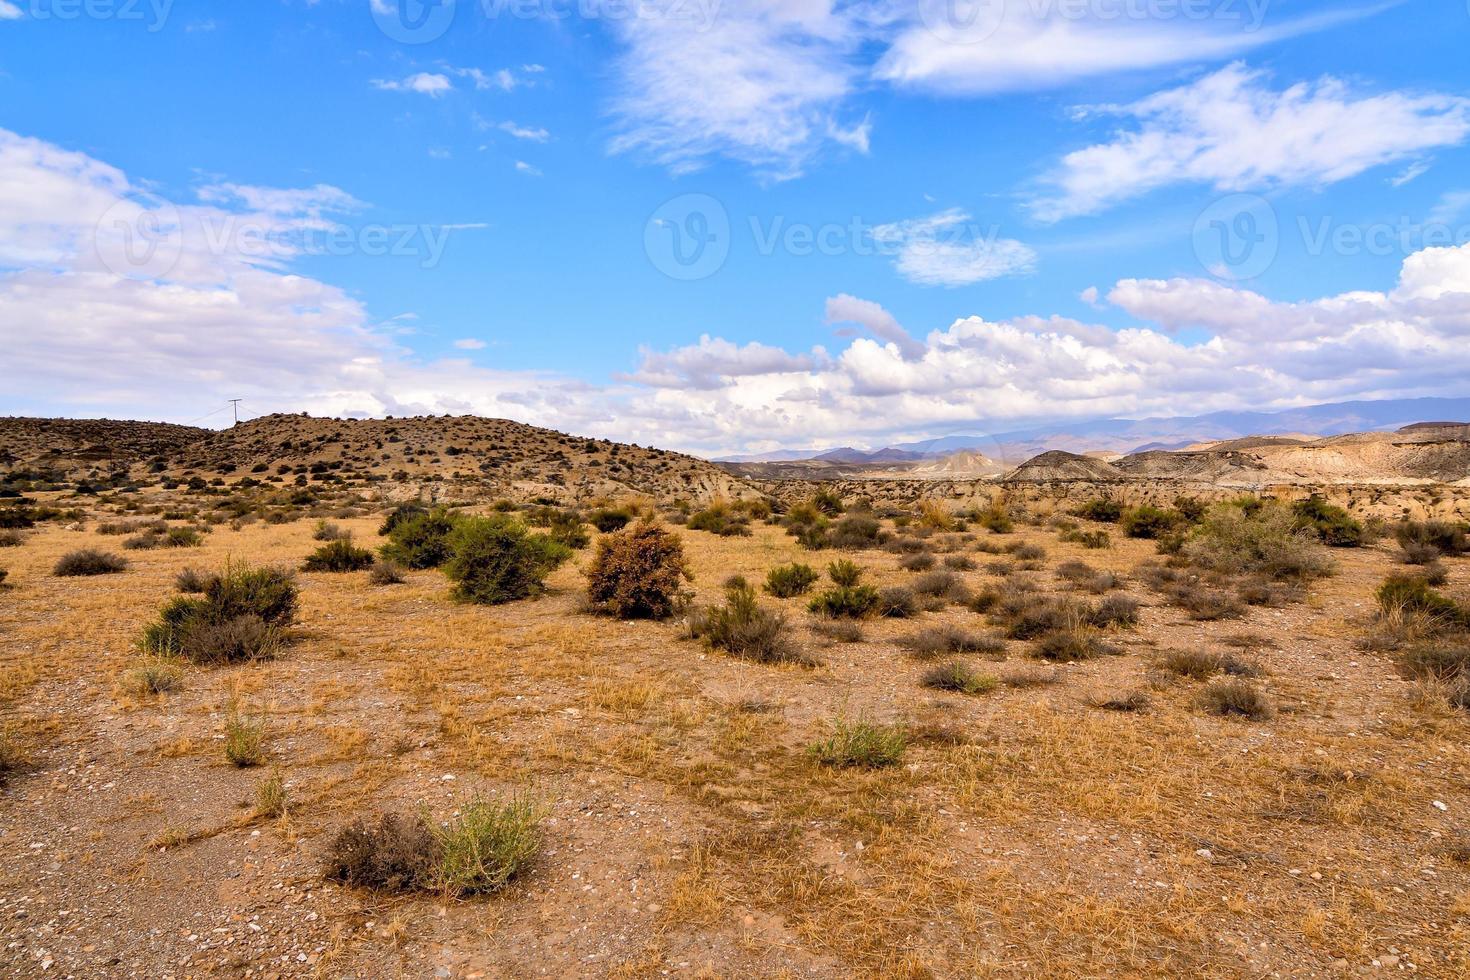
(1022, 207)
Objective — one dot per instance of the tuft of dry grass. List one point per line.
(244, 742)
(1236, 697)
(961, 678)
(860, 743)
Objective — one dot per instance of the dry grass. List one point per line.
(973, 860)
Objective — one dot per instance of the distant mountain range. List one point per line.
(1137, 435)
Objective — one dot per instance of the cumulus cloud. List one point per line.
(1233, 132)
(207, 319)
(431, 84)
(950, 249)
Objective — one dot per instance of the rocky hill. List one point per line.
(440, 456)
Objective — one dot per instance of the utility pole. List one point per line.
(235, 404)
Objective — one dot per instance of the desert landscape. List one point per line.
(461, 697)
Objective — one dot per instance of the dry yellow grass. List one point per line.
(1025, 833)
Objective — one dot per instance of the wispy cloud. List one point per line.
(530, 134)
(431, 84)
(951, 249)
(1231, 131)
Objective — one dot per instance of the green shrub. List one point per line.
(721, 519)
(565, 527)
(1236, 697)
(827, 502)
(169, 537)
(1148, 523)
(495, 560)
(244, 742)
(421, 540)
(1443, 536)
(401, 514)
(1412, 594)
(855, 531)
(239, 616)
(638, 573)
(1333, 525)
(609, 520)
(742, 628)
(339, 555)
(16, 518)
(844, 572)
(1094, 540)
(845, 602)
(860, 743)
(1103, 510)
(787, 581)
(89, 561)
(961, 679)
(1264, 540)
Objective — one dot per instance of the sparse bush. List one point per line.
(270, 797)
(845, 601)
(941, 640)
(961, 679)
(1332, 525)
(721, 519)
(1029, 676)
(860, 743)
(89, 561)
(742, 628)
(788, 581)
(401, 514)
(397, 853)
(1236, 698)
(932, 514)
(1444, 537)
(896, 602)
(565, 528)
(239, 616)
(1124, 701)
(1115, 610)
(995, 517)
(327, 531)
(495, 560)
(1264, 540)
(609, 520)
(1443, 662)
(827, 503)
(1148, 523)
(420, 539)
(844, 573)
(244, 740)
(918, 561)
(3, 576)
(1415, 553)
(1412, 594)
(838, 630)
(1072, 644)
(169, 537)
(191, 581)
(1026, 552)
(386, 573)
(1203, 664)
(946, 585)
(11, 539)
(959, 563)
(485, 846)
(1103, 510)
(338, 555)
(637, 573)
(1094, 540)
(855, 531)
(154, 675)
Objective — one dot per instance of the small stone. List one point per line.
(1439, 805)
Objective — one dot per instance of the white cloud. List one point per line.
(1230, 131)
(761, 83)
(1451, 207)
(84, 337)
(1013, 47)
(9, 11)
(949, 249)
(431, 84)
(470, 343)
(527, 169)
(714, 363)
(530, 134)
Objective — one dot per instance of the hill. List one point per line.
(446, 456)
